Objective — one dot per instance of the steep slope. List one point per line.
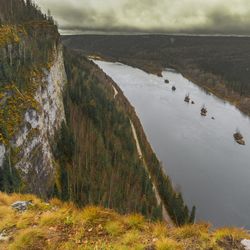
(63, 133)
(32, 78)
(62, 226)
(103, 167)
(106, 168)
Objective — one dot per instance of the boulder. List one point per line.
(246, 244)
(21, 205)
(4, 237)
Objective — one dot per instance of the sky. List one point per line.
(150, 16)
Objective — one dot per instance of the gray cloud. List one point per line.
(194, 16)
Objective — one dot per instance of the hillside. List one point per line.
(218, 64)
(62, 132)
(69, 136)
(58, 225)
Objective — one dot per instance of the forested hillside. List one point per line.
(96, 150)
(62, 132)
(219, 64)
(102, 165)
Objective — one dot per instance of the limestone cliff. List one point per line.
(36, 158)
(30, 118)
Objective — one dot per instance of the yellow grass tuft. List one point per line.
(168, 244)
(186, 232)
(234, 233)
(94, 215)
(7, 218)
(160, 230)
(29, 239)
(135, 221)
(26, 219)
(114, 228)
(52, 218)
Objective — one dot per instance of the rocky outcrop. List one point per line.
(34, 159)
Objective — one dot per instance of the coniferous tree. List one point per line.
(192, 215)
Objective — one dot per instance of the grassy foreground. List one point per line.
(58, 225)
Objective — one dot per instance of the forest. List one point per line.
(97, 158)
(101, 166)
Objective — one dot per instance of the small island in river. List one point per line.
(187, 99)
(203, 111)
(239, 138)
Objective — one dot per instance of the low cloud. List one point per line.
(172, 16)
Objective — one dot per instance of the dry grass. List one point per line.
(135, 221)
(234, 233)
(114, 228)
(168, 244)
(31, 238)
(160, 230)
(26, 219)
(59, 225)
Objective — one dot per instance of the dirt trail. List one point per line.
(165, 214)
(115, 92)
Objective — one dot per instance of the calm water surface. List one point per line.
(200, 155)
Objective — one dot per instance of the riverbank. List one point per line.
(219, 89)
(191, 148)
(218, 64)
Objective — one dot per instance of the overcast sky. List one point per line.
(172, 16)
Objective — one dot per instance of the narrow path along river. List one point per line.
(165, 215)
(198, 153)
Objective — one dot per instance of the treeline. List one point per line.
(20, 11)
(96, 155)
(10, 180)
(173, 200)
(28, 44)
(211, 60)
(27, 41)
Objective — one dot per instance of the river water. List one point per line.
(198, 153)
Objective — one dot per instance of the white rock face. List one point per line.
(246, 244)
(35, 138)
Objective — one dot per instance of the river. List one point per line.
(199, 154)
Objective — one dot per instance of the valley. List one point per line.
(199, 153)
(219, 64)
(120, 141)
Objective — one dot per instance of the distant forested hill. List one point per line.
(220, 64)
